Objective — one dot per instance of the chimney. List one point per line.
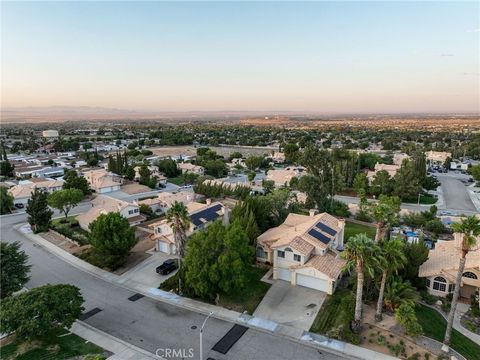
(209, 201)
(312, 212)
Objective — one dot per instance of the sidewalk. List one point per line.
(302, 337)
(120, 348)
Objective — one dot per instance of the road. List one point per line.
(455, 193)
(148, 323)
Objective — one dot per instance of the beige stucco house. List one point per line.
(191, 168)
(303, 250)
(437, 157)
(201, 215)
(101, 181)
(440, 270)
(282, 177)
(104, 204)
(23, 192)
(390, 169)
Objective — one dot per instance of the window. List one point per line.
(130, 212)
(135, 211)
(470, 275)
(428, 282)
(288, 249)
(440, 284)
(281, 254)
(297, 257)
(451, 288)
(261, 253)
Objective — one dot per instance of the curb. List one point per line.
(333, 346)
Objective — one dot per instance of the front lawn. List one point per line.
(434, 326)
(176, 180)
(425, 199)
(328, 316)
(352, 229)
(244, 300)
(50, 347)
(70, 228)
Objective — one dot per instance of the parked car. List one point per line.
(19, 206)
(167, 267)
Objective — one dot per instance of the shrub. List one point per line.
(397, 349)
(405, 315)
(428, 298)
(415, 356)
(471, 326)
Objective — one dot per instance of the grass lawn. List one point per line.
(352, 229)
(249, 298)
(328, 316)
(51, 347)
(69, 227)
(424, 199)
(245, 300)
(434, 326)
(176, 180)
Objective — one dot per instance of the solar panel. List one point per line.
(208, 214)
(319, 236)
(326, 228)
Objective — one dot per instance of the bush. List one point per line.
(428, 298)
(340, 209)
(398, 348)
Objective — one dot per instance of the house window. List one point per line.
(428, 282)
(281, 254)
(296, 257)
(451, 288)
(288, 249)
(135, 211)
(440, 284)
(130, 212)
(470, 275)
(261, 253)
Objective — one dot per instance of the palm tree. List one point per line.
(360, 253)
(469, 229)
(392, 259)
(179, 221)
(399, 292)
(385, 213)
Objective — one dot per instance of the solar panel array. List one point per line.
(208, 214)
(319, 236)
(326, 229)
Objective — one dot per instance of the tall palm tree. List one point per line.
(385, 213)
(392, 259)
(399, 292)
(179, 221)
(469, 229)
(361, 254)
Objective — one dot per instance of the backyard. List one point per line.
(352, 229)
(58, 345)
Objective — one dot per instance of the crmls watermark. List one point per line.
(168, 353)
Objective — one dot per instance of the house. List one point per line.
(282, 177)
(102, 181)
(168, 198)
(104, 204)
(38, 171)
(399, 157)
(201, 215)
(441, 267)
(23, 192)
(191, 168)
(154, 172)
(390, 169)
(304, 250)
(437, 157)
(153, 203)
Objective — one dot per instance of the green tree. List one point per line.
(417, 254)
(243, 214)
(6, 168)
(65, 200)
(13, 268)
(385, 212)
(253, 162)
(268, 185)
(361, 254)
(406, 183)
(179, 221)
(168, 167)
(6, 201)
(382, 183)
(360, 183)
(129, 172)
(392, 258)
(399, 292)
(405, 315)
(40, 311)
(111, 238)
(39, 215)
(73, 181)
(291, 152)
(475, 172)
(218, 260)
(469, 230)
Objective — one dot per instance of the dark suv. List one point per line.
(167, 267)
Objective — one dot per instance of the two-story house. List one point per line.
(103, 204)
(191, 168)
(22, 192)
(201, 215)
(304, 250)
(102, 181)
(282, 177)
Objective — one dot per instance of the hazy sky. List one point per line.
(308, 56)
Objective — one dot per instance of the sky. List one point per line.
(327, 57)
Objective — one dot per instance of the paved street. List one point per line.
(455, 193)
(148, 323)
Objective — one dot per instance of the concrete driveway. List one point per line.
(285, 304)
(144, 273)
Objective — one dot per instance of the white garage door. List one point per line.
(163, 247)
(312, 282)
(284, 274)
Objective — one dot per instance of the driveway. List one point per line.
(455, 193)
(285, 304)
(144, 273)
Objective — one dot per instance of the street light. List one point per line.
(201, 334)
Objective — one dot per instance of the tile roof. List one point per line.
(329, 264)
